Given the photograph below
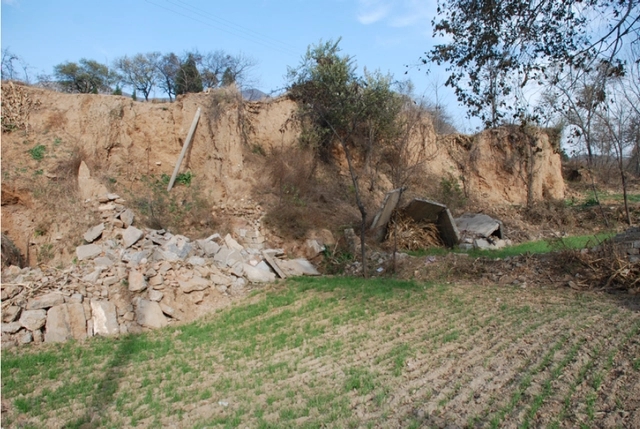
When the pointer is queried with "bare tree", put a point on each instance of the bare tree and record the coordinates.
(10, 65)
(219, 68)
(140, 71)
(168, 67)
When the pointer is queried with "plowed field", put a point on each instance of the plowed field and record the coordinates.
(350, 353)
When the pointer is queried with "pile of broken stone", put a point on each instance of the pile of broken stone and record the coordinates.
(127, 279)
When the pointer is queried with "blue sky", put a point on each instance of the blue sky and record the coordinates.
(381, 34)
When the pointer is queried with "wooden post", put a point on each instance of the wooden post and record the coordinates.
(187, 142)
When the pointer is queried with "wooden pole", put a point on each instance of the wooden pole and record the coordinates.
(187, 142)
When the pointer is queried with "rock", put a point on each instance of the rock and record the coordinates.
(102, 261)
(64, 322)
(256, 275)
(196, 261)
(222, 256)
(210, 248)
(164, 255)
(88, 251)
(25, 338)
(218, 278)
(11, 313)
(33, 319)
(178, 245)
(313, 248)
(232, 244)
(234, 257)
(137, 283)
(149, 314)
(155, 295)
(75, 298)
(11, 328)
(156, 280)
(89, 187)
(9, 291)
(110, 280)
(8, 343)
(104, 318)
(194, 284)
(136, 258)
(273, 264)
(127, 218)
(38, 338)
(93, 233)
(482, 244)
(131, 235)
(93, 276)
(171, 312)
(196, 297)
(298, 267)
(45, 301)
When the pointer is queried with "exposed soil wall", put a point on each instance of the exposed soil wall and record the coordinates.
(123, 141)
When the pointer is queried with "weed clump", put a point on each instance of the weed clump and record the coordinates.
(183, 210)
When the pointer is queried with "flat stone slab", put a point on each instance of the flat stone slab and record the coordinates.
(179, 245)
(256, 275)
(127, 218)
(45, 301)
(149, 314)
(93, 233)
(11, 328)
(479, 225)
(33, 319)
(58, 328)
(105, 320)
(210, 248)
(155, 295)
(88, 251)
(194, 284)
(431, 211)
(137, 282)
(383, 215)
(131, 236)
(102, 261)
(299, 267)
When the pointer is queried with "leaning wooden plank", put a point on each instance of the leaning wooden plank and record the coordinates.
(272, 262)
(184, 149)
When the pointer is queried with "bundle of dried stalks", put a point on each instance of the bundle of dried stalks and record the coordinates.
(608, 267)
(16, 105)
(413, 235)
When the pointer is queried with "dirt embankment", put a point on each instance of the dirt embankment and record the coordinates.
(124, 141)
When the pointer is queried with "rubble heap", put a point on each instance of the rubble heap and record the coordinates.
(126, 279)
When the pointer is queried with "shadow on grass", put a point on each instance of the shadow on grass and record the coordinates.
(125, 348)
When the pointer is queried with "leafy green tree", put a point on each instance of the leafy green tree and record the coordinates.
(188, 78)
(495, 47)
(86, 76)
(362, 115)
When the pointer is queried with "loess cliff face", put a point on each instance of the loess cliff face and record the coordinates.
(124, 141)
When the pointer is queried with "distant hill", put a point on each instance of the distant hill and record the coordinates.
(253, 94)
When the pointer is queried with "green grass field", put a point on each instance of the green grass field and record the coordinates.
(344, 352)
(531, 247)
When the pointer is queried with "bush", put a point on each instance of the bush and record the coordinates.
(183, 210)
(37, 152)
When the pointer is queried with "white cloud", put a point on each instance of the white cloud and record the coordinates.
(406, 13)
(371, 11)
